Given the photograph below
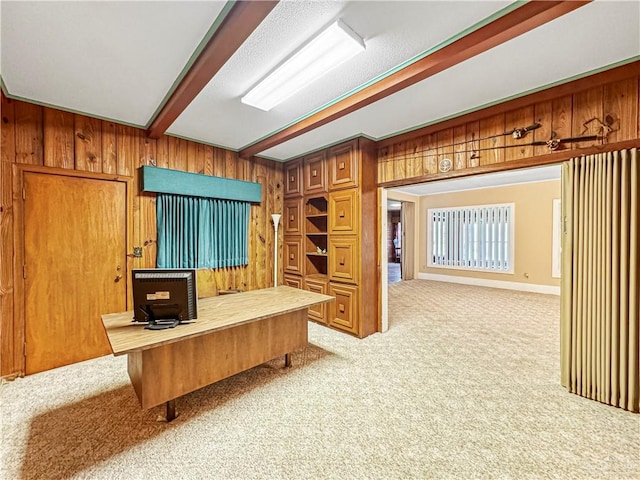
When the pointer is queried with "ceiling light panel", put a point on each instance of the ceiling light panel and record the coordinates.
(329, 49)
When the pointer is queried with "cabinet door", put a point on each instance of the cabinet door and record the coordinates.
(343, 166)
(293, 281)
(343, 259)
(293, 255)
(293, 216)
(343, 312)
(344, 212)
(315, 173)
(293, 179)
(317, 312)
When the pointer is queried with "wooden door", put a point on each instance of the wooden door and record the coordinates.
(75, 266)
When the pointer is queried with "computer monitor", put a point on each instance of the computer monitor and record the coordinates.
(163, 298)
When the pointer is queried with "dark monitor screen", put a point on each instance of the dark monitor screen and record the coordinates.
(162, 296)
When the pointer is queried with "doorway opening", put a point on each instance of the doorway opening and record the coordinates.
(535, 191)
(394, 241)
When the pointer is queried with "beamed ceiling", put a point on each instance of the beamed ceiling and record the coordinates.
(181, 67)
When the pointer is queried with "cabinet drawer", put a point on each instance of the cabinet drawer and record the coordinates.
(343, 312)
(343, 166)
(292, 216)
(317, 312)
(293, 255)
(343, 259)
(293, 281)
(293, 179)
(344, 212)
(315, 173)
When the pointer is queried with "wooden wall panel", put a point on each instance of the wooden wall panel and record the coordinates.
(517, 147)
(29, 133)
(7, 159)
(430, 159)
(445, 145)
(109, 149)
(162, 152)
(413, 157)
(208, 159)
(621, 102)
(88, 148)
(33, 134)
(460, 154)
(478, 141)
(491, 150)
(587, 110)
(147, 236)
(59, 149)
(543, 116)
(230, 164)
(399, 159)
(472, 130)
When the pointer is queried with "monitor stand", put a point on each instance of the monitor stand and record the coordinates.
(165, 321)
(162, 324)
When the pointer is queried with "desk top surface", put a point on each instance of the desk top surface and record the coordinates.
(214, 313)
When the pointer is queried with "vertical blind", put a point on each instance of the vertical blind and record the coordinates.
(600, 314)
(477, 238)
(196, 232)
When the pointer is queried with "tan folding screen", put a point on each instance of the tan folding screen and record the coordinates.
(600, 299)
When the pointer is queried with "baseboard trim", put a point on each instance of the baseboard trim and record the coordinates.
(482, 282)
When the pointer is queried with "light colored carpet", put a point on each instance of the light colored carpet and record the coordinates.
(464, 385)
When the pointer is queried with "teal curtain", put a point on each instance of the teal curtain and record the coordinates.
(196, 232)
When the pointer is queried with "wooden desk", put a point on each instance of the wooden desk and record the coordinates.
(232, 333)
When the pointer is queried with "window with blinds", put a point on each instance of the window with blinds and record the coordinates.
(471, 238)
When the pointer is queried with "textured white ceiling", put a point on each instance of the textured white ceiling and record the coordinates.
(118, 60)
(393, 32)
(109, 59)
(596, 35)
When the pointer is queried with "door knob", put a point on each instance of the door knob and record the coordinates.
(118, 278)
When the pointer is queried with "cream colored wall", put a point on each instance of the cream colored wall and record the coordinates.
(533, 229)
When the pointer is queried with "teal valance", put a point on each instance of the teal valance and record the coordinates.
(176, 182)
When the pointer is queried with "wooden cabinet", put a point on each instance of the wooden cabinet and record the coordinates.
(293, 281)
(343, 166)
(344, 310)
(330, 215)
(318, 313)
(292, 216)
(293, 255)
(315, 174)
(293, 179)
(343, 259)
(344, 214)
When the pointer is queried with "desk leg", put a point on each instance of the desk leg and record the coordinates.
(287, 360)
(171, 410)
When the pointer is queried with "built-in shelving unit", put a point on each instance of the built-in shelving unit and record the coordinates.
(328, 248)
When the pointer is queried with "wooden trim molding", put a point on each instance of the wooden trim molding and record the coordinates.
(243, 18)
(515, 23)
(555, 157)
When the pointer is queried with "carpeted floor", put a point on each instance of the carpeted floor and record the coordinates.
(464, 385)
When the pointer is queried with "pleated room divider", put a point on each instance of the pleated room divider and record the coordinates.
(600, 311)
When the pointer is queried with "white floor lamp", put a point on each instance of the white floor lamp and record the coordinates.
(276, 220)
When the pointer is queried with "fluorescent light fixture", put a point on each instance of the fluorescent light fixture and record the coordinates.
(332, 47)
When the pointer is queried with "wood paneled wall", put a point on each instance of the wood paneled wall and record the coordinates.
(31, 134)
(568, 110)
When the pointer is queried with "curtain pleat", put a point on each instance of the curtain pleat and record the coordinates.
(195, 232)
(600, 324)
